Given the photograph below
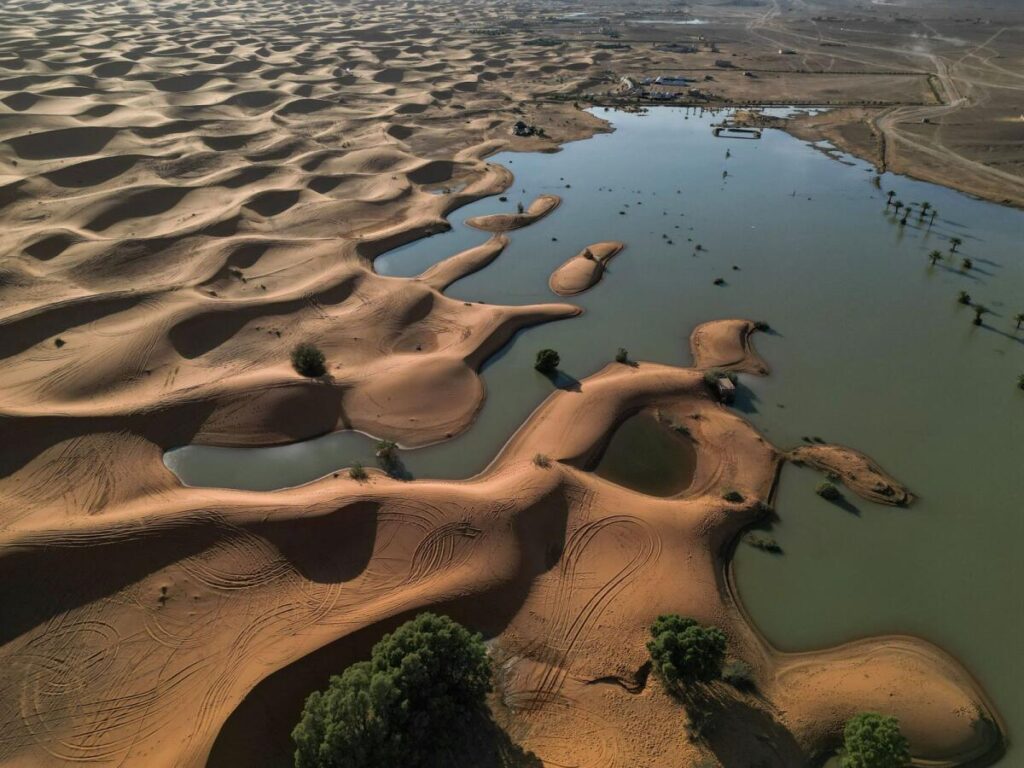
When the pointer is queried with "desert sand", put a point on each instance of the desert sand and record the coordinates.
(187, 192)
(585, 269)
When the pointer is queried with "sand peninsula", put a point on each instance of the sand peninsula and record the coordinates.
(183, 203)
(584, 270)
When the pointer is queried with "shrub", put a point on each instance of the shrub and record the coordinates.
(827, 491)
(357, 471)
(387, 455)
(406, 707)
(547, 361)
(761, 325)
(622, 356)
(764, 542)
(734, 496)
(308, 360)
(683, 651)
(874, 741)
(541, 460)
(739, 675)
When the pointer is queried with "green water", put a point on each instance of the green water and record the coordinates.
(870, 350)
(647, 455)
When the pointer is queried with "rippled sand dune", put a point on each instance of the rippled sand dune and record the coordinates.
(190, 189)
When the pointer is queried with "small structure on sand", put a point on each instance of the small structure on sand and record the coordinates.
(725, 389)
(524, 129)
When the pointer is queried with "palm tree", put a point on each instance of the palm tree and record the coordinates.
(954, 243)
(932, 216)
(966, 264)
(924, 209)
(934, 256)
(897, 205)
(979, 310)
(890, 195)
(1019, 318)
(963, 297)
(903, 221)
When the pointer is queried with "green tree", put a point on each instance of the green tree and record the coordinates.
(874, 741)
(308, 360)
(407, 707)
(828, 491)
(684, 651)
(547, 361)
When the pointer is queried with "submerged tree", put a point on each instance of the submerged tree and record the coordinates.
(1019, 317)
(963, 297)
(979, 310)
(874, 741)
(1020, 381)
(934, 256)
(547, 361)
(924, 210)
(954, 243)
(889, 196)
(409, 706)
(966, 264)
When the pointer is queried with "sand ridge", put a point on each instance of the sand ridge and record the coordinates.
(189, 190)
(585, 269)
(214, 590)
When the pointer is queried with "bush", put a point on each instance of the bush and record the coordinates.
(406, 707)
(357, 472)
(683, 651)
(308, 360)
(828, 491)
(541, 460)
(761, 325)
(387, 455)
(874, 741)
(622, 356)
(547, 361)
(764, 542)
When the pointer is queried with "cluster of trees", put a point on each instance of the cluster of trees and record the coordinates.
(421, 699)
(409, 706)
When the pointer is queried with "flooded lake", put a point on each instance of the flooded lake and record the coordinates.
(871, 349)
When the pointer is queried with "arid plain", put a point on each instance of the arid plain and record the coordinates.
(190, 189)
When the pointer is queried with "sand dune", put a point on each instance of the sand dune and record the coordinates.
(226, 587)
(584, 270)
(188, 191)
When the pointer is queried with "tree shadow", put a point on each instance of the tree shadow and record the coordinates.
(562, 380)
(746, 399)
(738, 733)
(844, 504)
(485, 744)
